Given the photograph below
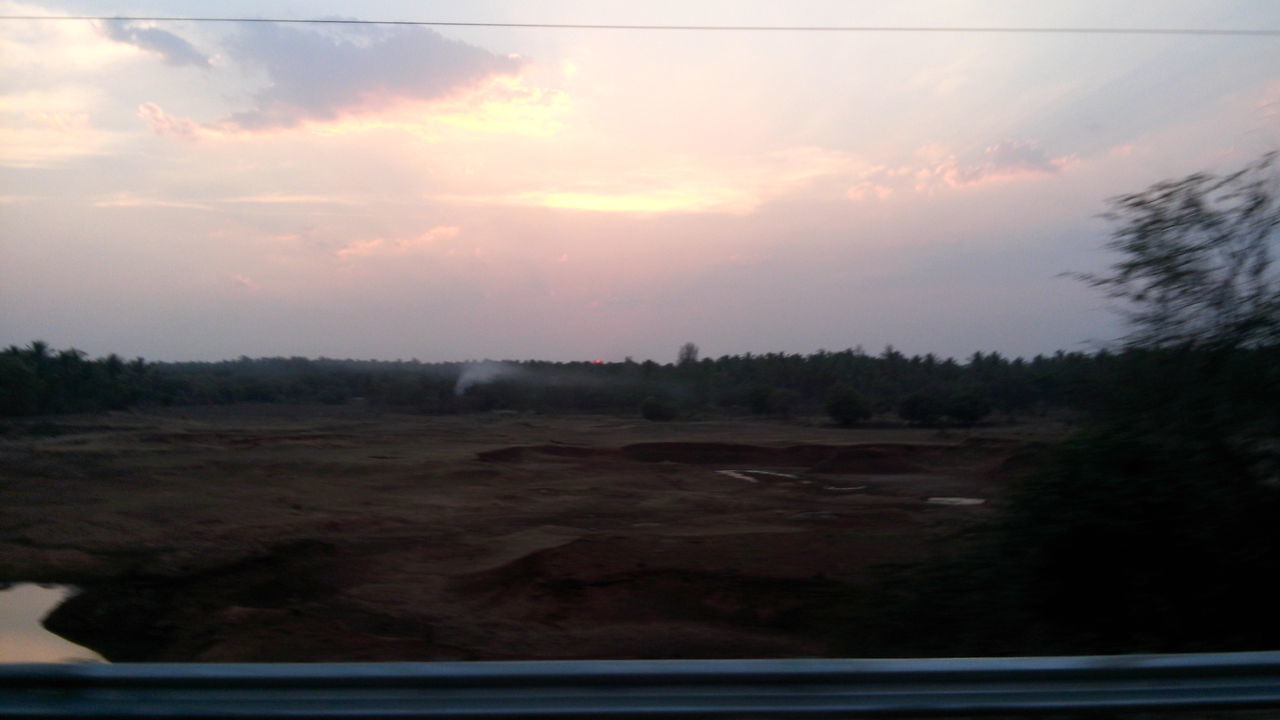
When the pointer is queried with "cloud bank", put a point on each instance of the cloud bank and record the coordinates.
(315, 76)
(175, 50)
(1005, 160)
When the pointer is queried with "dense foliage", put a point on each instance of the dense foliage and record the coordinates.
(850, 385)
(1154, 528)
(37, 380)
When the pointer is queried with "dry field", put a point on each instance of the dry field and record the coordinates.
(285, 533)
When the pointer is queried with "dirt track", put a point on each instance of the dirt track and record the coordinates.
(277, 534)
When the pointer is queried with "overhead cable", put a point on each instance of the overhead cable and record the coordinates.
(731, 28)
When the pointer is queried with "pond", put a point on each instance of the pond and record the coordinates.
(22, 637)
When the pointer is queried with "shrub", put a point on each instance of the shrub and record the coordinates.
(920, 409)
(967, 409)
(846, 406)
(657, 410)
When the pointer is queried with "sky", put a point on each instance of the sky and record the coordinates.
(199, 191)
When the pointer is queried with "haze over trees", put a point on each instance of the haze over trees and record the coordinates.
(37, 380)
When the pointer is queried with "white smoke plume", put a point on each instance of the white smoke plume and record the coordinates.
(483, 372)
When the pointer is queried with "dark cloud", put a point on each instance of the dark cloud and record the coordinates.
(172, 48)
(318, 76)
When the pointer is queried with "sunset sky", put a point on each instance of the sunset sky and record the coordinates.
(183, 190)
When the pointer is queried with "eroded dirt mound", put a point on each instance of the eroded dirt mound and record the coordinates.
(1020, 461)
(520, 453)
(283, 604)
(154, 617)
(866, 459)
(588, 598)
(878, 459)
(409, 538)
(704, 453)
(248, 440)
(729, 588)
(539, 589)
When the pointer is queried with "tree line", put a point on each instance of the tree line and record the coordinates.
(37, 380)
(850, 385)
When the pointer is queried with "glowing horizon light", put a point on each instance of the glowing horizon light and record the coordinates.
(576, 194)
(662, 201)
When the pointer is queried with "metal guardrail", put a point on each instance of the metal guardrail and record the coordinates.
(642, 688)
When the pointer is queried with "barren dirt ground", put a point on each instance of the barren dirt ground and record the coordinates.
(278, 533)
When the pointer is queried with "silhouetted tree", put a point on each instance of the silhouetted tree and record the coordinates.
(688, 354)
(19, 387)
(1195, 260)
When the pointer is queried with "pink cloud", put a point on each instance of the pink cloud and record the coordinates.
(937, 167)
(1006, 160)
(868, 189)
(499, 105)
(381, 247)
(162, 123)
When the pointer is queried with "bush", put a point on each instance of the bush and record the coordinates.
(967, 409)
(846, 406)
(1150, 530)
(657, 410)
(1131, 542)
(920, 409)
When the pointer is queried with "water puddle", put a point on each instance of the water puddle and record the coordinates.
(23, 639)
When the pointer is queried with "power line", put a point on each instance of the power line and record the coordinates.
(738, 28)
